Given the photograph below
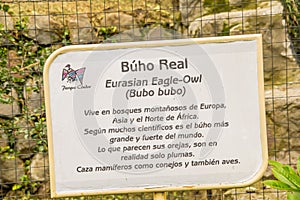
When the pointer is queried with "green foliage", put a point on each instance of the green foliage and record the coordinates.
(5, 8)
(19, 61)
(66, 37)
(292, 18)
(7, 153)
(21, 58)
(287, 179)
(225, 30)
(26, 185)
(38, 133)
(216, 6)
(106, 32)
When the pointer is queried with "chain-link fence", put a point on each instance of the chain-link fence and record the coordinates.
(31, 30)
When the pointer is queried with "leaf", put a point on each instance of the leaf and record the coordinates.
(298, 165)
(287, 176)
(275, 164)
(16, 187)
(5, 8)
(293, 196)
(41, 148)
(289, 168)
(280, 174)
(293, 176)
(292, 172)
(290, 196)
(279, 185)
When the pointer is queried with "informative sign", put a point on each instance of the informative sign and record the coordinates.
(156, 116)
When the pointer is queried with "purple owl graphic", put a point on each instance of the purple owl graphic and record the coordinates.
(73, 75)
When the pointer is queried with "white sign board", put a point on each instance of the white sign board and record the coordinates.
(156, 116)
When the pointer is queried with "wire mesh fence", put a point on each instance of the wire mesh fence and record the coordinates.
(31, 30)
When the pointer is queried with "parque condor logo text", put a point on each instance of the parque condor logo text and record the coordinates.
(74, 78)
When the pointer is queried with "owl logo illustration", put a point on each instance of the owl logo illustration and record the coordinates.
(72, 75)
